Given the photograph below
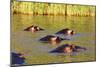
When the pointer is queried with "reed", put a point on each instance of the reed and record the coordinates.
(33, 8)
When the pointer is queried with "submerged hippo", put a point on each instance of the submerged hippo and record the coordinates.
(66, 48)
(33, 28)
(52, 39)
(66, 31)
(17, 58)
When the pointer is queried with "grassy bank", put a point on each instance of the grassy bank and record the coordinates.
(34, 8)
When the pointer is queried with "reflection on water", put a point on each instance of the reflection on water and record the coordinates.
(38, 53)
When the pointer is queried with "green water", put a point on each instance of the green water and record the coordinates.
(37, 52)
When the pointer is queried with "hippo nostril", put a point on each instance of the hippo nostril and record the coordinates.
(64, 39)
(84, 48)
(23, 58)
(41, 29)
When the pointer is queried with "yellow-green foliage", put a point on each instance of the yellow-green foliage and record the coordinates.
(52, 9)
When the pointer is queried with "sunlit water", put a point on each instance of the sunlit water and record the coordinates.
(37, 52)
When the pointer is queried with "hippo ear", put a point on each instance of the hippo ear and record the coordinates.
(72, 32)
(84, 48)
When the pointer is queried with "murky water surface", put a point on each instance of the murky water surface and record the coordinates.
(38, 53)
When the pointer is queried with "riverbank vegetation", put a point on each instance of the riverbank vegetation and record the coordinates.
(37, 8)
